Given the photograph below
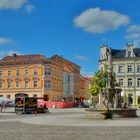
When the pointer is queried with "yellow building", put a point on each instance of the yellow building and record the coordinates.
(34, 75)
(71, 77)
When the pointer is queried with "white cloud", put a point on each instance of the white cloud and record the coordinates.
(12, 4)
(29, 8)
(137, 43)
(83, 58)
(133, 28)
(16, 4)
(133, 36)
(95, 20)
(8, 53)
(4, 41)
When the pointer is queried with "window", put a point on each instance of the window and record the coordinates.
(120, 70)
(47, 71)
(35, 84)
(1, 72)
(138, 68)
(26, 72)
(130, 99)
(9, 84)
(35, 95)
(0, 84)
(129, 81)
(17, 72)
(101, 68)
(102, 56)
(35, 71)
(68, 78)
(121, 82)
(26, 84)
(47, 84)
(9, 72)
(138, 99)
(138, 82)
(129, 69)
(17, 84)
(129, 53)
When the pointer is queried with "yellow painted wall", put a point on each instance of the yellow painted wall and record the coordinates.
(21, 77)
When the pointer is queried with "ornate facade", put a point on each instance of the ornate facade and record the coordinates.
(126, 66)
(38, 76)
(34, 75)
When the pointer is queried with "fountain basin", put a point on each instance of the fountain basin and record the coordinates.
(105, 114)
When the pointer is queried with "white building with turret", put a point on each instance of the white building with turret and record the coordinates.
(126, 66)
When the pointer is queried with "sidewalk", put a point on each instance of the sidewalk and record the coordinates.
(69, 117)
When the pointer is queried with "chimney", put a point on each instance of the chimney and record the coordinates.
(14, 55)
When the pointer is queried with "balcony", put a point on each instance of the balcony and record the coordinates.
(120, 74)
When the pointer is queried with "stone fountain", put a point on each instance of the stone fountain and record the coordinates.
(110, 98)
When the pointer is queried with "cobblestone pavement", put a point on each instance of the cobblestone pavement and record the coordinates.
(66, 124)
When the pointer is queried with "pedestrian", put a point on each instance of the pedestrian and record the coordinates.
(125, 105)
(2, 104)
(80, 105)
(35, 109)
(128, 104)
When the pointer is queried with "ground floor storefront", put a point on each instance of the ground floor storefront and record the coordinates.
(131, 97)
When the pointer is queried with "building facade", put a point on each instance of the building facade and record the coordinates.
(84, 87)
(126, 66)
(68, 84)
(38, 76)
(34, 75)
(71, 78)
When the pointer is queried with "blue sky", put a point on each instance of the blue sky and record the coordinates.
(75, 29)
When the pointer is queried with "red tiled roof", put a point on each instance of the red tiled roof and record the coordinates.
(64, 59)
(22, 57)
(66, 69)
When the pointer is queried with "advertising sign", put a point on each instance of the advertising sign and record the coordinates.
(30, 104)
(19, 105)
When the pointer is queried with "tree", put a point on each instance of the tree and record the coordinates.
(104, 83)
(99, 82)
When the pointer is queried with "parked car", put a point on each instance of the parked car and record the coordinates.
(87, 103)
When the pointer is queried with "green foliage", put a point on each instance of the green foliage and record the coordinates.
(102, 79)
(99, 81)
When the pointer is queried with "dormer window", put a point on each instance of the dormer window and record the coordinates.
(130, 50)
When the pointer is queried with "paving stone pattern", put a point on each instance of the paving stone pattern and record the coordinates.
(40, 127)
